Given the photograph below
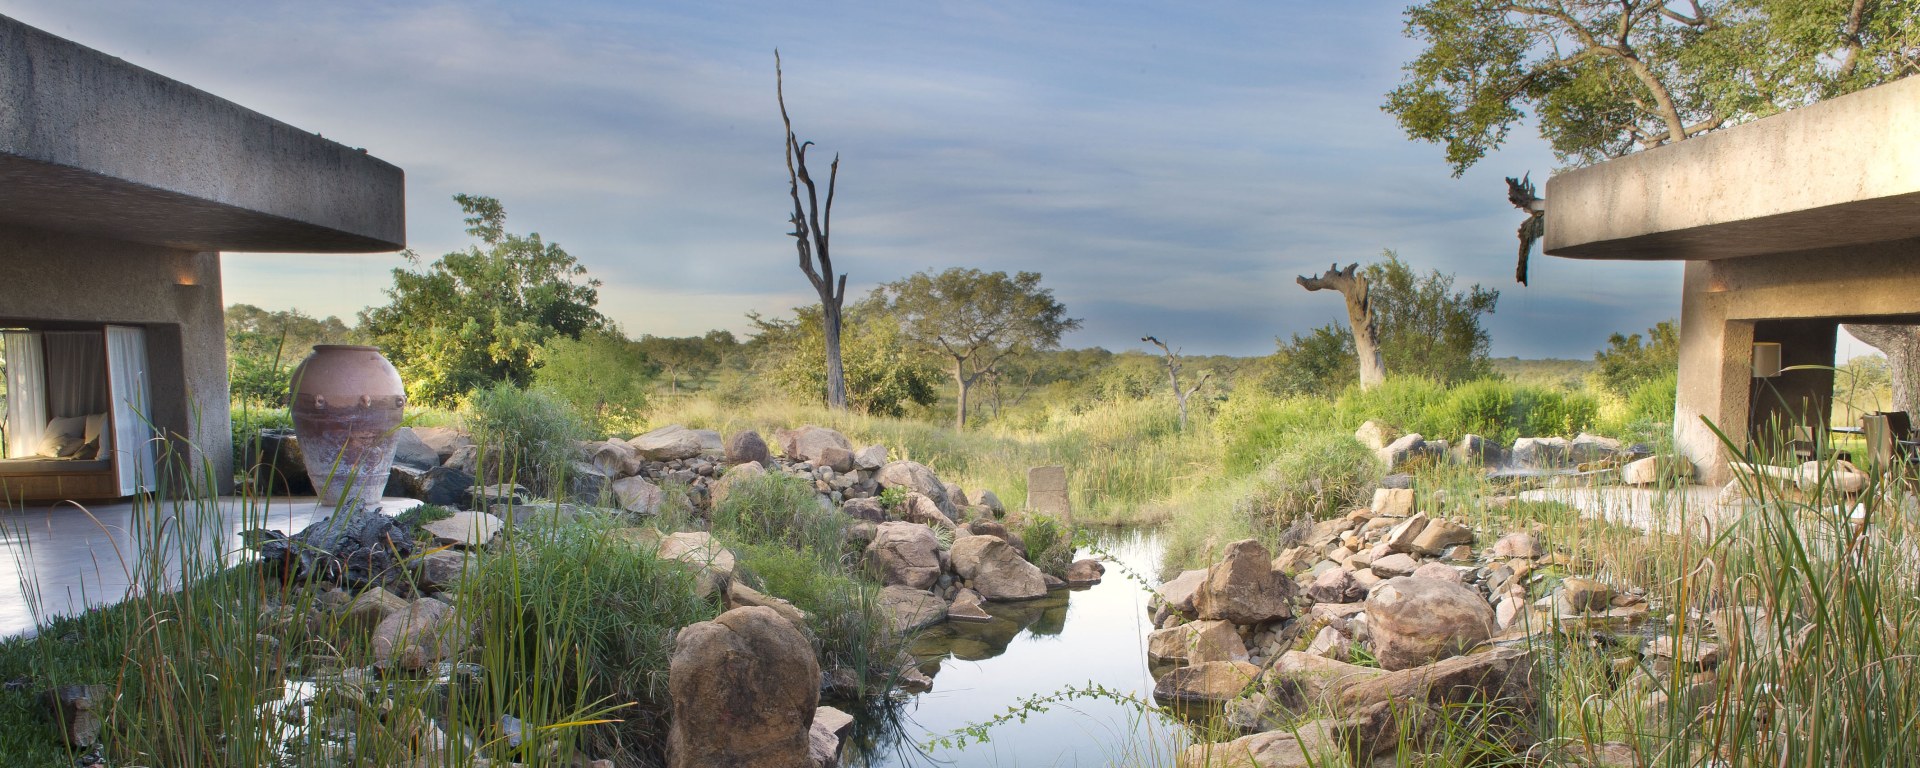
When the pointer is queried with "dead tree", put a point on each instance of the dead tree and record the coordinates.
(1366, 335)
(812, 225)
(1173, 377)
(1520, 194)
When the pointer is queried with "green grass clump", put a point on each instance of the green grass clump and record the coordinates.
(533, 432)
(1049, 543)
(1312, 474)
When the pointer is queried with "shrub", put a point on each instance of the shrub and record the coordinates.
(1502, 411)
(777, 509)
(602, 374)
(533, 431)
(1315, 475)
(1049, 543)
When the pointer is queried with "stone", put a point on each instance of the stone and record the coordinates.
(1412, 622)
(1402, 451)
(1440, 571)
(425, 632)
(712, 563)
(823, 747)
(464, 529)
(991, 501)
(76, 711)
(742, 596)
(967, 607)
(1213, 682)
(1540, 452)
(669, 443)
(908, 609)
(1330, 643)
(1586, 448)
(1315, 744)
(1179, 592)
(1375, 435)
(1243, 587)
(1085, 571)
(638, 495)
(444, 441)
(1392, 502)
(747, 446)
(1401, 537)
(905, 554)
(1296, 560)
(1336, 585)
(868, 509)
(1475, 451)
(744, 689)
(870, 458)
(1441, 535)
(1197, 643)
(1518, 544)
(367, 609)
(990, 527)
(614, 458)
(1301, 682)
(411, 451)
(915, 477)
(1394, 565)
(919, 508)
(447, 569)
(405, 482)
(1048, 494)
(718, 492)
(587, 484)
(836, 458)
(1578, 595)
(1655, 470)
(445, 487)
(809, 443)
(1503, 675)
(992, 567)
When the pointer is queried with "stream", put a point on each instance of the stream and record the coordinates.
(1068, 639)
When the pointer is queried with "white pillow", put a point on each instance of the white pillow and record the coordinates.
(96, 424)
(68, 425)
(58, 446)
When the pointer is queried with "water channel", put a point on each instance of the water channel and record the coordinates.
(1066, 640)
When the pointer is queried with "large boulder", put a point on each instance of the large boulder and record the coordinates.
(637, 495)
(747, 446)
(740, 473)
(426, 632)
(670, 442)
(809, 443)
(907, 609)
(996, 571)
(1213, 682)
(1180, 591)
(443, 440)
(410, 451)
(905, 554)
(1587, 448)
(1197, 642)
(918, 508)
(1375, 435)
(445, 486)
(467, 530)
(1413, 622)
(744, 689)
(711, 563)
(1502, 676)
(1244, 588)
(916, 477)
(614, 458)
(274, 461)
(1540, 452)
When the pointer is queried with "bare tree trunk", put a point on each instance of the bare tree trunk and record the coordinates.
(960, 415)
(1366, 335)
(836, 374)
(1901, 343)
(812, 225)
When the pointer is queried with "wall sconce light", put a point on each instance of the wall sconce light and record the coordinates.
(1766, 359)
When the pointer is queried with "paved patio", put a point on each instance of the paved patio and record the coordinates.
(69, 557)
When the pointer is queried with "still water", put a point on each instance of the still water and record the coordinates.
(1068, 639)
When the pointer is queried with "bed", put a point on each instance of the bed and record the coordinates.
(36, 479)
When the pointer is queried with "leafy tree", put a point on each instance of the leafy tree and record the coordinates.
(476, 317)
(1319, 362)
(1605, 78)
(263, 346)
(604, 375)
(975, 319)
(1627, 363)
(882, 376)
(1426, 327)
(687, 356)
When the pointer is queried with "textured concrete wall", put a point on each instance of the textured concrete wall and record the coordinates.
(92, 144)
(49, 277)
(1841, 172)
(1726, 305)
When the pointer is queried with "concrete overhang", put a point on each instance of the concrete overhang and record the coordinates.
(1842, 172)
(94, 145)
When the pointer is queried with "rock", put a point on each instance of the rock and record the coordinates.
(747, 446)
(823, 748)
(737, 474)
(425, 632)
(808, 442)
(356, 547)
(372, 606)
(1330, 643)
(1578, 595)
(587, 484)
(1315, 744)
(1085, 571)
(1213, 682)
(669, 443)
(1197, 643)
(996, 571)
(1243, 587)
(908, 609)
(1048, 493)
(868, 509)
(744, 689)
(76, 711)
(1336, 585)
(467, 530)
(444, 441)
(1540, 452)
(1402, 451)
(967, 607)
(987, 499)
(905, 554)
(1502, 675)
(711, 563)
(916, 477)
(445, 487)
(1180, 591)
(405, 482)
(1394, 565)
(1474, 451)
(990, 527)
(837, 458)
(1400, 538)
(742, 596)
(1303, 682)
(1412, 622)
(1440, 571)
(1518, 544)
(1655, 470)
(614, 458)
(273, 459)
(1587, 448)
(410, 451)
(919, 508)
(1296, 560)
(1375, 435)
(1392, 502)
(870, 458)
(1441, 535)
(446, 569)
(637, 495)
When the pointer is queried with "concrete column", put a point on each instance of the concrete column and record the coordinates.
(1716, 359)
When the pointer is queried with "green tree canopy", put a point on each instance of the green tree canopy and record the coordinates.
(1627, 362)
(975, 319)
(1426, 329)
(883, 376)
(476, 317)
(689, 357)
(1605, 78)
(603, 374)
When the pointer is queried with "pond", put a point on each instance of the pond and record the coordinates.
(1068, 639)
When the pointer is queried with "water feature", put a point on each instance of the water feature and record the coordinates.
(1066, 640)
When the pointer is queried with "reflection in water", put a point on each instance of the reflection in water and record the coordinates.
(1066, 639)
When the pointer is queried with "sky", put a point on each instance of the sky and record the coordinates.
(1169, 168)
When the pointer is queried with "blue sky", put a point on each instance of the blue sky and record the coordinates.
(1169, 167)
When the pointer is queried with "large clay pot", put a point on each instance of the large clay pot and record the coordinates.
(347, 404)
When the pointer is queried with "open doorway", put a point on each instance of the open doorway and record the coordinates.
(78, 414)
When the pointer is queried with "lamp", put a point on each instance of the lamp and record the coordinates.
(1766, 359)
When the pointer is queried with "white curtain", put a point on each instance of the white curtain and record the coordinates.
(76, 366)
(26, 393)
(132, 408)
